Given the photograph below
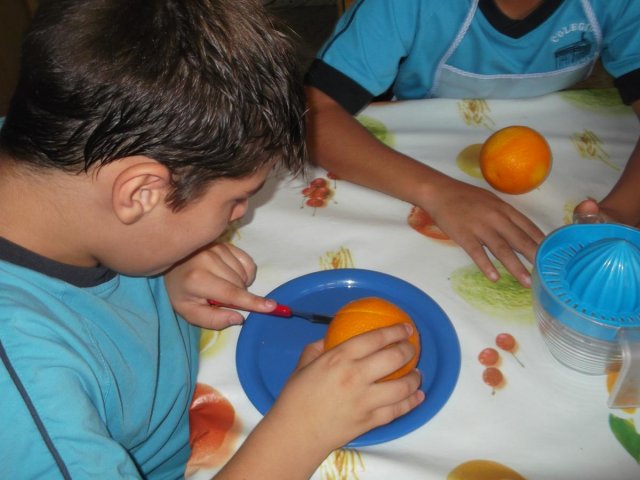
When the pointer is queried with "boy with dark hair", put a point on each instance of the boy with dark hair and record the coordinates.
(138, 130)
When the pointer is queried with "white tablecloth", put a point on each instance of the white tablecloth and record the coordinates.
(545, 422)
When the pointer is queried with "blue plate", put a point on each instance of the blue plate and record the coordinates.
(268, 347)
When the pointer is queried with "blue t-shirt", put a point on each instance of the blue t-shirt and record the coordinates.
(96, 374)
(469, 48)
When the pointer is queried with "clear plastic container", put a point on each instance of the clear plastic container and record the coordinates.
(580, 352)
(586, 293)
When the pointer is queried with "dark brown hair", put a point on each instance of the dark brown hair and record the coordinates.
(208, 88)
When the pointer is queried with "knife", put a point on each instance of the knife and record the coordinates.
(283, 311)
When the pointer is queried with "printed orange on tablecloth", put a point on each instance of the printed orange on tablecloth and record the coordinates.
(212, 429)
(422, 222)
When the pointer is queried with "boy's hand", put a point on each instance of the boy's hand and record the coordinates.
(591, 211)
(476, 219)
(588, 211)
(221, 272)
(333, 397)
(473, 217)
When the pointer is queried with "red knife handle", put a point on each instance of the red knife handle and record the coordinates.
(279, 311)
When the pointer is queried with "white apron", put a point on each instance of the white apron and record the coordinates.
(452, 82)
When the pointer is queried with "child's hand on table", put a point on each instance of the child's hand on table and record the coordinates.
(480, 222)
(475, 218)
(221, 272)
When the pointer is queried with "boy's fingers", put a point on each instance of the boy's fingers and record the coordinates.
(310, 353)
(589, 211)
(479, 256)
(240, 299)
(219, 317)
(393, 391)
(236, 260)
(248, 265)
(387, 360)
(388, 413)
(530, 235)
(505, 254)
(367, 343)
(212, 319)
(206, 286)
(222, 285)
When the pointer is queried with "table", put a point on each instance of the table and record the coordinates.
(545, 421)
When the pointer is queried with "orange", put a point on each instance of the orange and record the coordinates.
(515, 159)
(365, 314)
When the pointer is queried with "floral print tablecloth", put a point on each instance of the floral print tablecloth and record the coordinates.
(541, 420)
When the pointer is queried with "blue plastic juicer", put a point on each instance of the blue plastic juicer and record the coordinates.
(586, 295)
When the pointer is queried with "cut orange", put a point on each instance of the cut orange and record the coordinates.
(515, 159)
(370, 313)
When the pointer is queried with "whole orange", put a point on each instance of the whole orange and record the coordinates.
(369, 313)
(515, 159)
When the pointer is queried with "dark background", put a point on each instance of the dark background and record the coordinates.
(309, 21)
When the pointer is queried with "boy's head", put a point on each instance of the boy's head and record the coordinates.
(207, 88)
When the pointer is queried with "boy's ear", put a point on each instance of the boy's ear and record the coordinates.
(138, 189)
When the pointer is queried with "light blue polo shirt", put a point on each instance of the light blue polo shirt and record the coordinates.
(96, 374)
(420, 47)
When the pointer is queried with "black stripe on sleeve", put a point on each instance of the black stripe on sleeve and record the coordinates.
(338, 86)
(34, 414)
(629, 86)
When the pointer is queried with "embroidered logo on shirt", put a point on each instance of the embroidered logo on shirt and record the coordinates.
(575, 52)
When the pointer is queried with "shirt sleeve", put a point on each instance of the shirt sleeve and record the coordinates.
(629, 86)
(361, 58)
(621, 48)
(51, 422)
(338, 86)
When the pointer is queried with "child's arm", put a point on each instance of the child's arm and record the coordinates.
(622, 204)
(221, 268)
(329, 400)
(471, 216)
